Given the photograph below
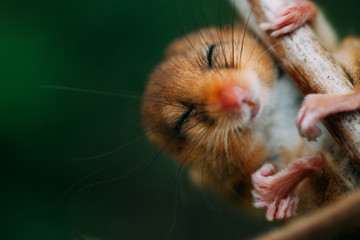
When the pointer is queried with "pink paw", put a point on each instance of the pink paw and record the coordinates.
(317, 106)
(314, 108)
(276, 191)
(278, 205)
(293, 15)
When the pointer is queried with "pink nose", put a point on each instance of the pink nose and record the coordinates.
(231, 97)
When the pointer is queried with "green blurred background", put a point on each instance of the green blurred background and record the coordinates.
(48, 136)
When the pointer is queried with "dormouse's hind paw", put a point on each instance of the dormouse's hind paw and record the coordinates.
(275, 192)
(290, 17)
(275, 208)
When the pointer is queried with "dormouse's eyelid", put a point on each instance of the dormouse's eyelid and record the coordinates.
(184, 117)
(209, 55)
(187, 104)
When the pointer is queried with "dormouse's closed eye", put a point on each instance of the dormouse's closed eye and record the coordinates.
(209, 55)
(220, 55)
(184, 117)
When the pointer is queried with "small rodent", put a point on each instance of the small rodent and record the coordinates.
(191, 106)
(215, 104)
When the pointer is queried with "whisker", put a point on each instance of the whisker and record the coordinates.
(219, 32)
(222, 46)
(172, 226)
(107, 164)
(182, 31)
(206, 196)
(117, 94)
(202, 13)
(90, 91)
(253, 49)
(131, 171)
(67, 190)
(126, 174)
(136, 167)
(195, 22)
(267, 50)
(191, 44)
(243, 38)
(232, 33)
(225, 135)
(240, 177)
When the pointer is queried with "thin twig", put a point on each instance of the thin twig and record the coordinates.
(323, 224)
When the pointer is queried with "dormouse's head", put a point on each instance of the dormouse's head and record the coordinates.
(204, 99)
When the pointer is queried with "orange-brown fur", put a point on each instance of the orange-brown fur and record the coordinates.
(348, 55)
(184, 78)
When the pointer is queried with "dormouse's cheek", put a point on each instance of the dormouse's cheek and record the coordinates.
(171, 114)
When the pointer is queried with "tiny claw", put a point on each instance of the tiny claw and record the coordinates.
(309, 114)
(283, 30)
(270, 212)
(266, 26)
(289, 18)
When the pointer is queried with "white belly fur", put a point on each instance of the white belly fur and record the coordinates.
(281, 131)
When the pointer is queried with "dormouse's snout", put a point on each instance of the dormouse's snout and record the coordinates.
(233, 95)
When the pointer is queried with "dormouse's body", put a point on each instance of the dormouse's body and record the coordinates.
(215, 104)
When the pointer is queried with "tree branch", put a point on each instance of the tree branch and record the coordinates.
(311, 67)
(313, 70)
(326, 222)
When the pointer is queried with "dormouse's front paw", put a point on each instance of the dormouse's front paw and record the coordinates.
(290, 17)
(314, 108)
(317, 106)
